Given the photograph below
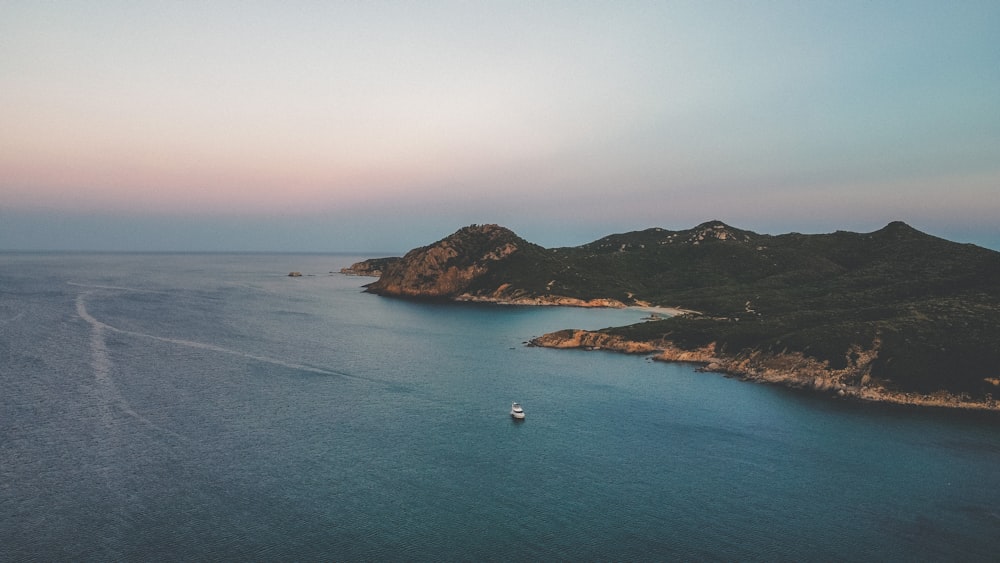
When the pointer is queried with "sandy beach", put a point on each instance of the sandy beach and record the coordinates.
(663, 311)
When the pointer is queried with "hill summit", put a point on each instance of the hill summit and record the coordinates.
(451, 266)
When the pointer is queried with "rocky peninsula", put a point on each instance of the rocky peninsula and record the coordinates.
(789, 369)
(895, 315)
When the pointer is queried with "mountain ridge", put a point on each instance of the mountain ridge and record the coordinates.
(921, 310)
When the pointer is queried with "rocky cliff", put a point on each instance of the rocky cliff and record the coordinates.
(449, 267)
(478, 263)
(788, 369)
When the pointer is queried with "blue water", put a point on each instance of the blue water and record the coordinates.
(207, 407)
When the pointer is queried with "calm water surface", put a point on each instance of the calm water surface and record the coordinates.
(207, 407)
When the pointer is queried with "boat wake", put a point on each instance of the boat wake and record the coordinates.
(100, 361)
(15, 318)
(113, 287)
(100, 326)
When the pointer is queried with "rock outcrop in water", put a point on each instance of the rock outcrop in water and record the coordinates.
(894, 313)
(373, 267)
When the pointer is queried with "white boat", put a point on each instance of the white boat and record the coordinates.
(516, 411)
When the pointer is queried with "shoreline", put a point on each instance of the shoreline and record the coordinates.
(791, 370)
(665, 311)
(498, 298)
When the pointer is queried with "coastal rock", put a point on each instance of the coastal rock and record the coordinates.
(501, 297)
(372, 267)
(594, 341)
(788, 369)
(450, 267)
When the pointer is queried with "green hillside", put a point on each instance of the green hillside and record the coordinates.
(930, 306)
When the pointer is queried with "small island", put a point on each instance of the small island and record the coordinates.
(894, 315)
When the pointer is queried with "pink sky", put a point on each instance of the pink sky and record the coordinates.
(559, 118)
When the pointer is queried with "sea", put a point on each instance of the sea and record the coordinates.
(208, 407)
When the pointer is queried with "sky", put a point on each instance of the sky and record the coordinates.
(382, 126)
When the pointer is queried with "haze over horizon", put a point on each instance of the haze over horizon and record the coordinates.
(383, 126)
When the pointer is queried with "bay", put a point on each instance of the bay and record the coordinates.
(208, 406)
